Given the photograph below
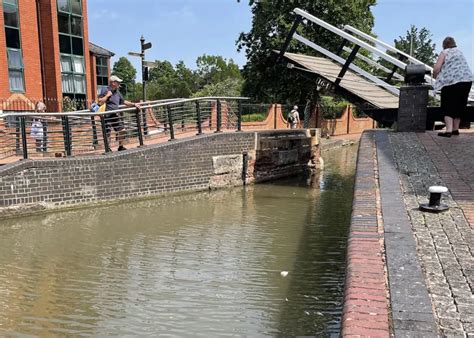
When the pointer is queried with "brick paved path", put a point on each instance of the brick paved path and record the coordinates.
(445, 241)
(454, 159)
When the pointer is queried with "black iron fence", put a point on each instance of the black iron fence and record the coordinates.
(27, 134)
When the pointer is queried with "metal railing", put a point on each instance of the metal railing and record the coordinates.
(32, 135)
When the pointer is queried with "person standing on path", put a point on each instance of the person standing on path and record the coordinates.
(113, 99)
(454, 79)
(37, 128)
(293, 118)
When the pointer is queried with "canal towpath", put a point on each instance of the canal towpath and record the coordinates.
(411, 273)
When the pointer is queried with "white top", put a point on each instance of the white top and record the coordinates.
(295, 115)
(437, 189)
(37, 130)
(455, 69)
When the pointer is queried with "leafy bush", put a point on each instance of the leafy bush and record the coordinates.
(357, 113)
(332, 109)
(255, 117)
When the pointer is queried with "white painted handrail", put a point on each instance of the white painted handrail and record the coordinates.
(353, 67)
(350, 38)
(385, 45)
(356, 41)
(396, 50)
(374, 63)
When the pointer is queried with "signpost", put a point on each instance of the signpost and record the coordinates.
(144, 46)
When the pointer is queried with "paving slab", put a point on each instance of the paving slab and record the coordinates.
(444, 241)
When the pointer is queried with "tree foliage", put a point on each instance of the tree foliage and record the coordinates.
(227, 87)
(423, 47)
(272, 20)
(213, 69)
(124, 69)
(167, 82)
(214, 75)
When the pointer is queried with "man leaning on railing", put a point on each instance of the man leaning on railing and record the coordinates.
(112, 98)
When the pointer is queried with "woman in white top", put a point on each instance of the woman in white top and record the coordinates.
(454, 79)
(37, 128)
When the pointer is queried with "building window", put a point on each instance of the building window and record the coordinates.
(71, 47)
(13, 40)
(102, 73)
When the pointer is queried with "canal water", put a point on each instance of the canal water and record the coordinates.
(203, 264)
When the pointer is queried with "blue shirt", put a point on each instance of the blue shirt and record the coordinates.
(114, 101)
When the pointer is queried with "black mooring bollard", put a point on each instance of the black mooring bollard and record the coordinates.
(435, 200)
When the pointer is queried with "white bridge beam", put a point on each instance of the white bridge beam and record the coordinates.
(352, 67)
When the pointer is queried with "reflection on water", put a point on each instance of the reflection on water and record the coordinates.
(205, 264)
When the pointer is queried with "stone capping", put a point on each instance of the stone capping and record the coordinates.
(410, 304)
(366, 306)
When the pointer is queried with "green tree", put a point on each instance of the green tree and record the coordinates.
(124, 69)
(227, 87)
(187, 76)
(423, 47)
(167, 82)
(272, 20)
(212, 69)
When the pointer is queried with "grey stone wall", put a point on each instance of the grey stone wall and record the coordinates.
(197, 163)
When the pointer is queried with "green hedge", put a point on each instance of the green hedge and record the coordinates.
(255, 117)
(332, 109)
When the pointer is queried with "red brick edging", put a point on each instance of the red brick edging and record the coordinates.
(366, 305)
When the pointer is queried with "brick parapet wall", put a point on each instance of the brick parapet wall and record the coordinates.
(182, 165)
(346, 124)
(366, 304)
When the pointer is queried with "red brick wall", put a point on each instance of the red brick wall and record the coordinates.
(93, 76)
(50, 44)
(50, 47)
(4, 85)
(89, 78)
(31, 49)
(346, 124)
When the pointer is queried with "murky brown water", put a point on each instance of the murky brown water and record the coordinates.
(205, 264)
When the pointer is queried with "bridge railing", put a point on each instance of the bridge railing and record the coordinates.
(32, 135)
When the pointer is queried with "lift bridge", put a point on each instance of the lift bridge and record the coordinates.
(375, 95)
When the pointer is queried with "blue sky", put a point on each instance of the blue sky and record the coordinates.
(186, 29)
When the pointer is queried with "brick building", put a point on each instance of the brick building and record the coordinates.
(45, 53)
